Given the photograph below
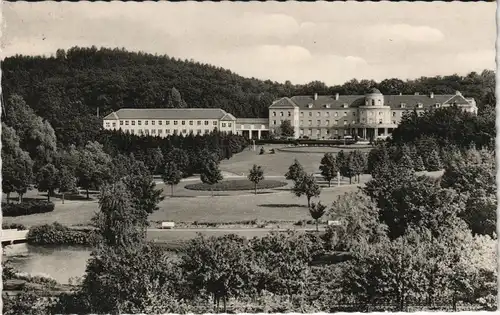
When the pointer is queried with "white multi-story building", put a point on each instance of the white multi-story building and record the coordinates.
(163, 122)
(369, 115)
(317, 117)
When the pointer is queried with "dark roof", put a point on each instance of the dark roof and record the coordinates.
(394, 101)
(250, 121)
(284, 102)
(170, 113)
(374, 91)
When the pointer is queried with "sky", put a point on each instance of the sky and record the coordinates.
(299, 42)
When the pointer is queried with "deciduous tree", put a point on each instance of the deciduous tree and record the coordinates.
(317, 210)
(307, 186)
(220, 266)
(66, 182)
(328, 167)
(255, 175)
(47, 179)
(286, 128)
(171, 175)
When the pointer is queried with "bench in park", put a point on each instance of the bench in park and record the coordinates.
(167, 225)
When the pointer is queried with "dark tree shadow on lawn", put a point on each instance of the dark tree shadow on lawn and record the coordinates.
(26, 199)
(281, 205)
(282, 189)
(77, 197)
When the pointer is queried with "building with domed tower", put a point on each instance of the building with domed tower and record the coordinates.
(314, 116)
(367, 116)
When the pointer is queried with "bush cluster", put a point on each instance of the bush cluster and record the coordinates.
(58, 234)
(26, 208)
(13, 226)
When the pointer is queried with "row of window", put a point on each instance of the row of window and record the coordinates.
(336, 114)
(318, 132)
(160, 122)
(336, 122)
(167, 131)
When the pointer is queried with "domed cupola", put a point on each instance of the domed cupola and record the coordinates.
(374, 98)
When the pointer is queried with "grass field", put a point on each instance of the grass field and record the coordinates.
(279, 206)
(274, 164)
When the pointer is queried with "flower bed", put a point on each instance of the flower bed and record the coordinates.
(237, 184)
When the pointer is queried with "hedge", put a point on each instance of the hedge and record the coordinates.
(310, 142)
(58, 234)
(26, 208)
(13, 226)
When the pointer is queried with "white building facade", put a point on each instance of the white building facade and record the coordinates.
(314, 117)
(367, 116)
(163, 122)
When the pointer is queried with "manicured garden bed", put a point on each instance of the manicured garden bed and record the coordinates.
(237, 184)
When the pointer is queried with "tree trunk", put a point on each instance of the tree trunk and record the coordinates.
(8, 197)
(330, 183)
(171, 190)
(212, 190)
(88, 197)
(215, 302)
(62, 197)
(48, 195)
(308, 202)
(350, 180)
(224, 301)
(255, 188)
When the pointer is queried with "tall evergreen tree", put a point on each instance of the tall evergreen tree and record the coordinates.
(295, 171)
(211, 173)
(433, 162)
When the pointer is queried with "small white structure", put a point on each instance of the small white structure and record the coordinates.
(167, 225)
(334, 223)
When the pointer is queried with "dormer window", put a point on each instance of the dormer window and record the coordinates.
(403, 105)
(310, 105)
(420, 105)
(438, 105)
(345, 105)
(327, 105)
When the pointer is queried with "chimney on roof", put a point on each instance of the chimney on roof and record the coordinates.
(315, 96)
(431, 95)
(336, 96)
(458, 93)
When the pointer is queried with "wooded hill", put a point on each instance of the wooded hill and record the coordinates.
(68, 88)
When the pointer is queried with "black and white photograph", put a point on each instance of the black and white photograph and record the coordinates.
(258, 157)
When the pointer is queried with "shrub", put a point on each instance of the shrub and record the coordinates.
(57, 234)
(26, 208)
(13, 226)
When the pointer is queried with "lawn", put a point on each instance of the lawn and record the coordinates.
(237, 184)
(274, 164)
(278, 206)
